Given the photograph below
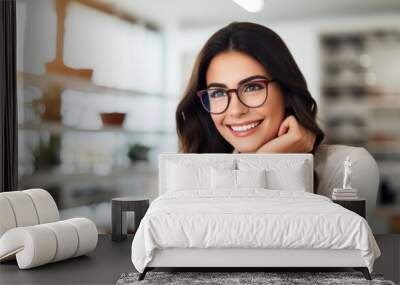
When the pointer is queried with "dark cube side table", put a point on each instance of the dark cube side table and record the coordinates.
(355, 205)
(119, 207)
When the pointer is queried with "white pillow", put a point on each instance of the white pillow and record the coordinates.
(294, 178)
(191, 174)
(281, 174)
(251, 178)
(228, 179)
(223, 179)
(182, 178)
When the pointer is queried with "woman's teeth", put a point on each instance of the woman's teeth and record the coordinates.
(245, 127)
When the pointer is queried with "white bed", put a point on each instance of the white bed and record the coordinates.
(248, 227)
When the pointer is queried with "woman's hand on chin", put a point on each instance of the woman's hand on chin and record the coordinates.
(292, 138)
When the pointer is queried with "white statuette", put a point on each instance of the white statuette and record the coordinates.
(347, 192)
(347, 173)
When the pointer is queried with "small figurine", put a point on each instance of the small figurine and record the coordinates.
(346, 192)
(347, 173)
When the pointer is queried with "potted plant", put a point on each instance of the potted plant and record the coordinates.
(138, 152)
(47, 154)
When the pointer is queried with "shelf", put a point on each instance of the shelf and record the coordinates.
(58, 128)
(387, 168)
(384, 146)
(345, 102)
(328, 83)
(388, 211)
(79, 84)
(391, 102)
(52, 177)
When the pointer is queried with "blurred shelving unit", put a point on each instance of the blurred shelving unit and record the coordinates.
(59, 176)
(88, 165)
(80, 84)
(58, 128)
(65, 143)
(360, 103)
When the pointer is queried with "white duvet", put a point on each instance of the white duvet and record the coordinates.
(250, 218)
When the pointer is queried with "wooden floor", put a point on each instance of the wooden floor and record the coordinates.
(111, 259)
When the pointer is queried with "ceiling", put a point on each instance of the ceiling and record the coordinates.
(189, 13)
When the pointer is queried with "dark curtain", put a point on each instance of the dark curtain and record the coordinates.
(8, 98)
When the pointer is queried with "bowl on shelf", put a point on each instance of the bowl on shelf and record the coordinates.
(113, 119)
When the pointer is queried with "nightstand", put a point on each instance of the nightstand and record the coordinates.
(355, 205)
(119, 207)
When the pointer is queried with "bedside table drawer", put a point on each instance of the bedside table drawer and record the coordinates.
(357, 206)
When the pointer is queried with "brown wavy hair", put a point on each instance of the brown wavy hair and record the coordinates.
(196, 130)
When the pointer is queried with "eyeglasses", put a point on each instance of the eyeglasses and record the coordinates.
(252, 94)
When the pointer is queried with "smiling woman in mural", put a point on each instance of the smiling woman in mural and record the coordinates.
(246, 94)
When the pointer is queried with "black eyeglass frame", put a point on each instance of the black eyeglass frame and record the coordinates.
(236, 90)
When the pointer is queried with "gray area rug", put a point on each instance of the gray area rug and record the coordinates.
(228, 278)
